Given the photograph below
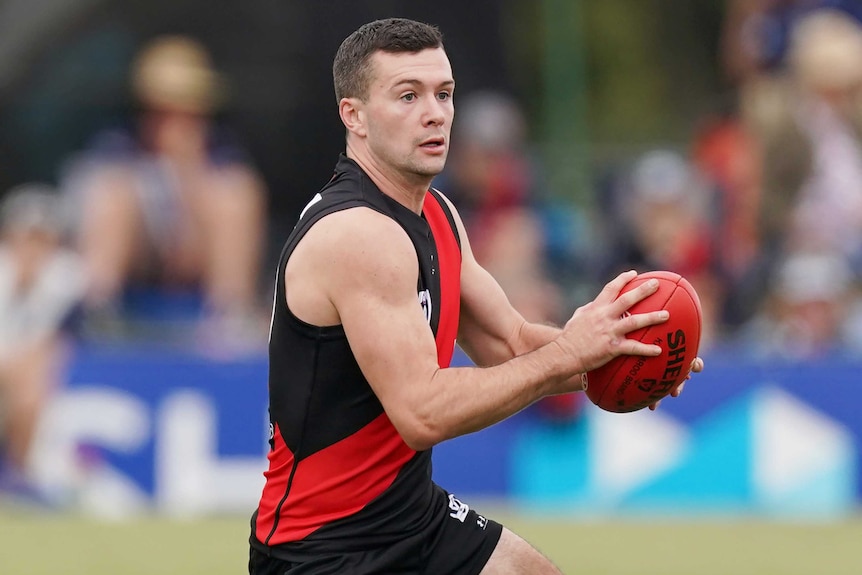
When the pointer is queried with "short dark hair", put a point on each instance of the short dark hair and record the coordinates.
(351, 70)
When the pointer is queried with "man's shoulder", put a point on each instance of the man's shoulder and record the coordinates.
(357, 247)
(358, 224)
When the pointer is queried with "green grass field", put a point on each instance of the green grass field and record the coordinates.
(52, 545)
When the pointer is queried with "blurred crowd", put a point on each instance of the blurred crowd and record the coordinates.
(153, 234)
(761, 210)
(155, 231)
(169, 202)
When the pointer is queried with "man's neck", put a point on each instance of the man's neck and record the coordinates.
(409, 192)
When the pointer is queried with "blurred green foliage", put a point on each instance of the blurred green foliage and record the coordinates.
(651, 68)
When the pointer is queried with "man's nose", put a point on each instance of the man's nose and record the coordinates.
(435, 113)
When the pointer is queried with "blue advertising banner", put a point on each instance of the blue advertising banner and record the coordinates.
(746, 436)
(184, 434)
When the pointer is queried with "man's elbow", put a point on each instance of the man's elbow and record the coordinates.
(420, 436)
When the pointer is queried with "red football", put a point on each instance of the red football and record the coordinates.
(632, 382)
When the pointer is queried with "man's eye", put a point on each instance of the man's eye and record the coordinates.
(444, 96)
(408, 97)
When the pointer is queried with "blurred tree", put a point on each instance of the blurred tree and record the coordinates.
(652, 68)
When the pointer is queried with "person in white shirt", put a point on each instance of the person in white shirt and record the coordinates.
(41, 284)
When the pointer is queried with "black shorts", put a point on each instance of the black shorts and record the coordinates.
(457, 541)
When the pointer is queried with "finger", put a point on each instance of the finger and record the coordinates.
(697, 365)
(641, 320)
(675, 392)
(613, 288)
(630, 298)
(627, 346)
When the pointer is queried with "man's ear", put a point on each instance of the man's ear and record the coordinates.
(352, 115)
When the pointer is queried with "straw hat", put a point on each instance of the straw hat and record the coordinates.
(826, 50)
(176, 73)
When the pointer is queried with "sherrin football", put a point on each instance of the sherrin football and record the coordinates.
(632, 382)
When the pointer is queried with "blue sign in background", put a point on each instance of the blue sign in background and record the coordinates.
(236, 387)
(723, 410)
(532, 458)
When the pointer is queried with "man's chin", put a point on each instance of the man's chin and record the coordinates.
(429, 169)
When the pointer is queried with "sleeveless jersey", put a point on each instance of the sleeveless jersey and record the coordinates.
(340, 477)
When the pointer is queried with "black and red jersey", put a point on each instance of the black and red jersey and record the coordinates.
(340, 476)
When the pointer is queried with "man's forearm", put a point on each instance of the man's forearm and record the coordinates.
(532, 336)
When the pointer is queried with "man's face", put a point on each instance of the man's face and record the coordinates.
(409, 111)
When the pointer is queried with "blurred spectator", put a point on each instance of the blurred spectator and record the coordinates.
(661, 220)
(41, 284)
(756, 33)
(725, 152)
(760, 155)
(812, 311)
(806, 118)
(666, 210)
(807, 126)
(171, 204)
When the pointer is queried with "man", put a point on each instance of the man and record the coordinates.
(373, 286)
(172, 203)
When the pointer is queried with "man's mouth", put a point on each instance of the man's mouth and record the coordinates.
(433, 143)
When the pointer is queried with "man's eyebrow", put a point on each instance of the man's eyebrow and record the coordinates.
(415, 82)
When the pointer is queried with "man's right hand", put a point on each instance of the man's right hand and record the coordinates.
(596, 332)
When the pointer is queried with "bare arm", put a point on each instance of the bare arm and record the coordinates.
(358, 267)
(491, 330)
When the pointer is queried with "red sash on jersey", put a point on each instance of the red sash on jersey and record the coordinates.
(449, 255)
